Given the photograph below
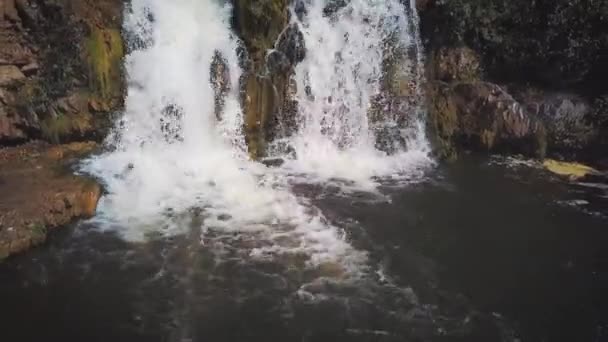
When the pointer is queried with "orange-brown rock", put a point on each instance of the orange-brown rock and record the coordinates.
(39, 192)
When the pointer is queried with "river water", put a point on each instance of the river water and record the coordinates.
(476, 251)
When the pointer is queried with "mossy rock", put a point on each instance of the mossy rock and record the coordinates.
(105, 51)
(569, 169)
(443, 121)
(260, 22)
(64, 127)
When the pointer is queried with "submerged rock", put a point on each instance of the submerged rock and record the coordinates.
(569, 169)
(41, 193)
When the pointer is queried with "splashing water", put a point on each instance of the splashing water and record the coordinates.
(338, 83)
(169, 154)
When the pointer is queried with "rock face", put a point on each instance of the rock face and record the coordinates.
(44, 193)
(60, 69)
(272, 48)
(483, 116)
(548, 54)
(553, 43)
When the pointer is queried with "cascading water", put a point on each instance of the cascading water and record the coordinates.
(170, 155)
(339, 84)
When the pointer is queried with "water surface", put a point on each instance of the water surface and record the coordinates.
(476, 252)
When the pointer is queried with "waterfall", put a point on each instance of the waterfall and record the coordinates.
(342, 80)
(172, 157)
(172, 162)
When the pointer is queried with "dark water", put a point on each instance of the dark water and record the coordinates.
(477, 252)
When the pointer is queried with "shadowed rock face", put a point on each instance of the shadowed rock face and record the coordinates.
(554, 43)
(60, 78)
(548, 54)
(483, 116)
(60, 69)
(44, 193)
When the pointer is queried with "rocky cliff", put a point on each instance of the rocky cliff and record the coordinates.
(545, 59)
(60, 69)
(60, 80)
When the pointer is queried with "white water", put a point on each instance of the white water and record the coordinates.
(337, 82)
(169, 154)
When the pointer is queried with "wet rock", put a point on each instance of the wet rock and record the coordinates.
(44, 194)
(483, 116)
(334, 6)
(567, 117)
(300, 9)
(277, 62)
(291, 44)
(273, 162)
(265, 84)
(220, 81)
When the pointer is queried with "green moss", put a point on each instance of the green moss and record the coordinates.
(105, 52)
(62, 127)
(54, 129)
(260, 22)
(32, 97)
(38, 232)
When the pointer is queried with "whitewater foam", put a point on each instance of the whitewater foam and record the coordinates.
(169, 153)
(337, 84)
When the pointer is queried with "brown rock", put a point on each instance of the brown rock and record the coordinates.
(15, 50)
(39, 193)
(483, 116)
(9, 11)
(5, 96)
(10, 75)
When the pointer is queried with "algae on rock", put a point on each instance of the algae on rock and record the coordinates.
(105, 53)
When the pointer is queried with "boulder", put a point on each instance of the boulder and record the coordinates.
(270, 50)
(567, 117)
(482, 116)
